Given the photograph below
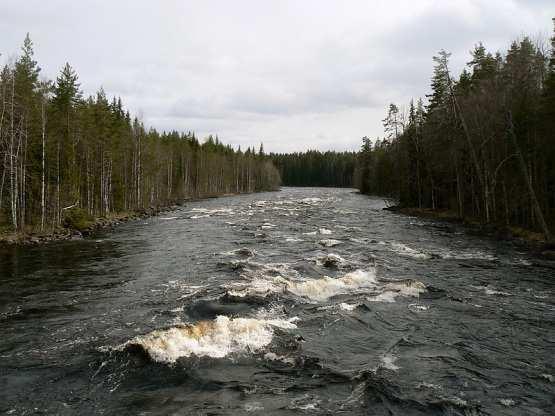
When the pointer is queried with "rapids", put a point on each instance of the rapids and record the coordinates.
(304, 301)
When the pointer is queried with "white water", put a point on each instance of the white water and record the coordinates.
(327, 287)
(329, 243)
(349, 306)
(405, 288)
(405, 250)
(216, 339)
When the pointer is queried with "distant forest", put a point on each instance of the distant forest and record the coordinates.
(65, 155)
(314, 168)
(482, 147)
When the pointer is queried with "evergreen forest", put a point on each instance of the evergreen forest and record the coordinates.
(481, 147)
(63, 155)
(315, 168)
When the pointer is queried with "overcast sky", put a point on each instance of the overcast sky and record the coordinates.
(294, 74)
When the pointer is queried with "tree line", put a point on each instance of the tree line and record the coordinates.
(483, 146)
(60, 152)
(314, 168)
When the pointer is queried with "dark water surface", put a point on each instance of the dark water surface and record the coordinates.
(304, 301)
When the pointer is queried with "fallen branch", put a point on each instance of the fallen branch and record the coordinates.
(71, 206)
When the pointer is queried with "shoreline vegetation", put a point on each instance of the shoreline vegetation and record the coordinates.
(69, 162)
(87, 227)
(529, 239)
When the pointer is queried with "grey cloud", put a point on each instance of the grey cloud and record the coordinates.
(316, 73)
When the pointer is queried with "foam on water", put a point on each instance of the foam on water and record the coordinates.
(490, 291)
(466, 255)
(260, 286)
(548, 377)
(405, 288)
(327, 287)
(388, 297)
(321, 289)
(428, 386)
(271, 356)
(216, 339)
(310, 201)
(254, 269)
(270, 279)
(329, 243)
(456, 401)
(348, 306)
(253, 407)
(293, 240)
(213, 211)
(206, 212)
(388, 361)
(196, 217)
(305, 403)
(497, 292)
(418, 307)
(405, 250)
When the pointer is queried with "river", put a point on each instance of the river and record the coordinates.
(303, 301)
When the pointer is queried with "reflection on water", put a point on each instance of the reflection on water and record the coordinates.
(302, 301)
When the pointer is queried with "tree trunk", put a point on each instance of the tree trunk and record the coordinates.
(13, 173)
(43, 176)
(527, 179)
(58, 205)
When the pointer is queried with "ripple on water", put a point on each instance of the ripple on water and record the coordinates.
(212, 293)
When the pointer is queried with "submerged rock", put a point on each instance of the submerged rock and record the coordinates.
(245, 252)
(216, 338)
(332, 260)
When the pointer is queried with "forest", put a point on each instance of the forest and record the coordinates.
(483, 147)
(315, 168)
(64, 156)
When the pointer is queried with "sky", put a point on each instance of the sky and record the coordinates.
(293, 74)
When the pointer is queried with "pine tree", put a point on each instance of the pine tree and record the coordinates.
(26, 71)
(24, 132)
(393, 123)
(440, 83)
(548, 99)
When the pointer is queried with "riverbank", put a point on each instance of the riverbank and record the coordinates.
(34, 237)
(530, 239)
